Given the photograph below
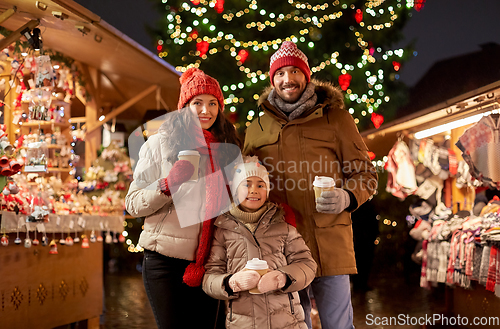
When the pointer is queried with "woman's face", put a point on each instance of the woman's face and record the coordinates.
(206, 107)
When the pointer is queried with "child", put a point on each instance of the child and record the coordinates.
(255, 228)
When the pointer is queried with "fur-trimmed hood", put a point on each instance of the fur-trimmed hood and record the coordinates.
(327, 93)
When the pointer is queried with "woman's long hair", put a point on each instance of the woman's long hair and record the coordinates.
(180, 125)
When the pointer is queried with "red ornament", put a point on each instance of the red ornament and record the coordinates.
(243, 54)
(202, 47)
(358, 16)
(219, 6)
(419, 5)
(193, 35)
(371, 155)
(195, 2)
(377, 119)
(396, 65)
(233, 117)
(345, 81)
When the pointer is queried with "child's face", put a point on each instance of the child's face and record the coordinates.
(252, 194)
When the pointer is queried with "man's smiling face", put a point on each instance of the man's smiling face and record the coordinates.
(290, 82)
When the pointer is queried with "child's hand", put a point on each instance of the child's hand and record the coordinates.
(271, 281)
(244, 280)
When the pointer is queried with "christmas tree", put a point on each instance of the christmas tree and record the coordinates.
(347, 42)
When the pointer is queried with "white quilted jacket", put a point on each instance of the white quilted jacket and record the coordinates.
(168, 230)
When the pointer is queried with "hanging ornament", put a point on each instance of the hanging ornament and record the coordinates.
(202, 47)
(419, 5)
(195, 2)
(242, 55)
(69, 240)
(62, 240)
(109, 238)
(219, 6)
(93, 237)
(17, 239)
(358, 16)
(377, 119)
(396, 65)
(85, 242)
(4, 240)
(35, 242)
(53, 248)
(77, 238)
(371, 155)
(99, 237)
(115, 239)
(45, 240)
(345, 81)
(27, 240)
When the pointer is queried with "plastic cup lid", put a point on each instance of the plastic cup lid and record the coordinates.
(256, 264)
(323, 181)
(189, 152)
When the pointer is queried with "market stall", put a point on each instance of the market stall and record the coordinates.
(64, 73)
(445, 159)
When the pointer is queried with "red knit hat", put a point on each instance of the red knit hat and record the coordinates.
(289, 55)
(195, 82)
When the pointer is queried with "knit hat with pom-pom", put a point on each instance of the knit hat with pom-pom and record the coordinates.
(289, 55)
(195, 82)
(251, 166)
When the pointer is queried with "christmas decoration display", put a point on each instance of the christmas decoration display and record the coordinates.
(348, 39)
(107, 180)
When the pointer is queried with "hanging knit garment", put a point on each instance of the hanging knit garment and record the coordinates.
(214, 187)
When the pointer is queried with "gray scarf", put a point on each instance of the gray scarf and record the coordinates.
(293, 110)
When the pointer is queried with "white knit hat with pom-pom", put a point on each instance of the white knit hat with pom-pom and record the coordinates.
(251, 166)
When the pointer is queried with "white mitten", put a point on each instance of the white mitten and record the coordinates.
(244, 280)
(271, 281)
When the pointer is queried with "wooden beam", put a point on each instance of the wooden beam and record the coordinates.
(77, 119)
(7, 14)
(123, 107)
(16, 35)
(90, 86)
(122, 95)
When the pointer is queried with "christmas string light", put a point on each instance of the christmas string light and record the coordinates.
(372, 97)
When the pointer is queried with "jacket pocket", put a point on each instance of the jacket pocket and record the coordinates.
(328, 220)
(325, 135)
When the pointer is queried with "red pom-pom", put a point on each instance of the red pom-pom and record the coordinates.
(188, 74)
(193, 275)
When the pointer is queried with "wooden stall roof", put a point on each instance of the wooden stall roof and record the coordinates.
(127, 68)
(381, 140)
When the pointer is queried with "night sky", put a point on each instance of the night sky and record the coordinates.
(442, 29)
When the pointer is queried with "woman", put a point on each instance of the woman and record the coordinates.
(178, 227)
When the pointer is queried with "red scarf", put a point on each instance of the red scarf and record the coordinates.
(214, 187)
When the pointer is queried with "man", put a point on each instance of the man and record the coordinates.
(304, 132)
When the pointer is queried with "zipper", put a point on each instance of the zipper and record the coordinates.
(290, 298)
(159, 225)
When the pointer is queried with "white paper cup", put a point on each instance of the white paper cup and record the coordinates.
(321, 184)
(257, 265)
(194, 158)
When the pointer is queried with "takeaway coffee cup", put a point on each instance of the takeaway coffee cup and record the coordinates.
(321, 184)
(257, 265)
(194, 158)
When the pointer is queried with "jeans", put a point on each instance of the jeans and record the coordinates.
(175, 304)
(332, 295)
